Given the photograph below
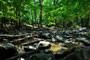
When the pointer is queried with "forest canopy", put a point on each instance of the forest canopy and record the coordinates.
(62, 13)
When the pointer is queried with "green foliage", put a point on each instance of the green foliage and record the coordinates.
(63, 10)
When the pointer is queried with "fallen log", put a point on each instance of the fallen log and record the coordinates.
(21, 39)
(31, 42)
(6, 35)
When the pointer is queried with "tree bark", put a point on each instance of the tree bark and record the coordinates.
(40, 22)
(54, 3)
(82, 22)
(35, 17)
(32, 18)
(87, 22)
(19, 20)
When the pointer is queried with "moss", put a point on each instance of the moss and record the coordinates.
(55, 48)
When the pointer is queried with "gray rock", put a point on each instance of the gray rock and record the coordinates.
(42, 45)
(46, 35)
(59, 38)
(53, 39)
(29, 48)
(83, 40)
(84, 29)
(61, 44)
(53, 31)
(80, 39)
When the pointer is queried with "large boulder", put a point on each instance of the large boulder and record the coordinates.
(79, 54)
(7, 50)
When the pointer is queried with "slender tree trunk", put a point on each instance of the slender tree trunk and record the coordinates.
(40, 22)
(19, 20)
(0, 10)
(35, 17)
(15, 23)
(87, 22)
(11, 21)
(82, 22)
(2, 23)
(32, 18)
(54, 3)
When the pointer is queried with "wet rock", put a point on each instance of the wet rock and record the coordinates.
(53, 31)
(29, 48)
(62, 54)
(79, 39)
(59, 38)
(20, 59)
(45, 35)
(62, 44)
(83, 40)
(68, 41)
(40, 56)
(79, 54)
(7, 50)
(42, 45)
(67, 37)
(53, 38)
(84, 29)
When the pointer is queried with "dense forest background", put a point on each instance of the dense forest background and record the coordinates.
(44, 29)
(60, 13)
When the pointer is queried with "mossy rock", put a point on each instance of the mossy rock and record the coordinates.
(56, 48)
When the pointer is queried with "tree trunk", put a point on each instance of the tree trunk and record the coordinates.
(54, 3)
(40, 22)
(82, 22)
(35, 17)
(0, 10)
(87, 22)
(19, 20)
(32, 18)
(11, 21)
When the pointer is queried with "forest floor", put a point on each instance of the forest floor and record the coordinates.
(47, 43)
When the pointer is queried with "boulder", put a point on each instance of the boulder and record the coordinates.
(7, 50)
(84, 29)
(40, 56)
(45, 35)
(42, 45)
(79, 54)
(59, 38)
(53, 31)
(83, 40)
